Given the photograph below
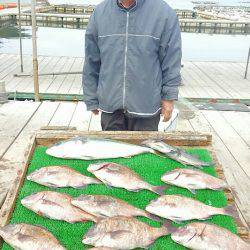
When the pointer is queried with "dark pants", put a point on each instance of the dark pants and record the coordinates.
(120, 121)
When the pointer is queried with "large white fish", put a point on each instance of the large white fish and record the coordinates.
(103, 206)
(95, 148)
(204, 236)
(56, 206)
(61, 176)
(123, 233)
(176, 154)
(179, 208)
(26, 237)
(116, 175)
(193, 180)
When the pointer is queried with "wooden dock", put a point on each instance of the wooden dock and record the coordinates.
(213, 80)
(230, 130)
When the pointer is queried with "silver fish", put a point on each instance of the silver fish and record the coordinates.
(103, 206)
(56, 206)
(95, 148)
(123, 233)
(61, 176)
(179, 208)
(193, 180)
(116, 175)
(25, 237)
(176, 154)
(203, 236)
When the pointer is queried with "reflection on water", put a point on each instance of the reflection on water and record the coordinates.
(13, 32)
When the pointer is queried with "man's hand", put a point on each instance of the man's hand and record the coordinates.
(95, 112)
(167, 109)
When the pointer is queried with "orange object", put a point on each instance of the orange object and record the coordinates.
(1, 6)
(11, 5)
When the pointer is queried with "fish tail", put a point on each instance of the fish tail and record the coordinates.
(168, 228)
(159, 189)
(152, 217)
(208, 164)
(231, 210)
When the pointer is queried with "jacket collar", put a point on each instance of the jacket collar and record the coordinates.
(138, 3)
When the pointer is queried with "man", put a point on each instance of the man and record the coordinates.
(132, 63)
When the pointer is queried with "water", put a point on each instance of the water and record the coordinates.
(59, 42)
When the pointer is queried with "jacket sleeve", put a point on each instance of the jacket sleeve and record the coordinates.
(91, 67)
(170, 54)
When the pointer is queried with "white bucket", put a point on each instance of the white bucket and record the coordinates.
(3, 94)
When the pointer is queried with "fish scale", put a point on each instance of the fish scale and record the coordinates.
(193, 180)
(24, 236)
(95, 148)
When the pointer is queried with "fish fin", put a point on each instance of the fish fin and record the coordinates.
(168, 225)
(159, 189)
(127, 157)
(153, 217)
(208, 164)
(193, 191)
(177, 221)
(79, 186)
(117, 234)
(231, 210)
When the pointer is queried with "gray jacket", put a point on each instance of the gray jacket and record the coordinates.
(132, 58)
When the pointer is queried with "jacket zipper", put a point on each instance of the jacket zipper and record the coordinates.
(125, 61)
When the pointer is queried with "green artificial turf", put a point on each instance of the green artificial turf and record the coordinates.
(150, 167)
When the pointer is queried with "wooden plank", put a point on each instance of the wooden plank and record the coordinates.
(177, 138)
(14, 122)
(240, 122)
(15, 156)
(63, 65)
(9, 204)
(231, 139)
(45, 81)
(233, 172)
(81, 117)
(28, 84)
(64, 114)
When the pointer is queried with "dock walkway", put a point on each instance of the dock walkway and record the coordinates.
(230, 130)
(201, 79)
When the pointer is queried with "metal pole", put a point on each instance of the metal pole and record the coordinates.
(248, 57)
(34, 46)
(20, 35)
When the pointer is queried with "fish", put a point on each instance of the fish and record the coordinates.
(56, 206)
(85, 148)
(123, 233)
(103, 206)
(25, 237)
(115, 175)
(61, 176)
(203, 236)
(193, 180)
(176, 154)
(179, 208)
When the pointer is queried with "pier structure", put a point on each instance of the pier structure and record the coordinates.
(77, 17)
(76, 21)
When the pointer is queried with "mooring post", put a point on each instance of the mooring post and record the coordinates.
(248, 57)
(34, 43)
(20, 35)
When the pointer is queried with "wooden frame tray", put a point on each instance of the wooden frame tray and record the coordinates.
(49, 136)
